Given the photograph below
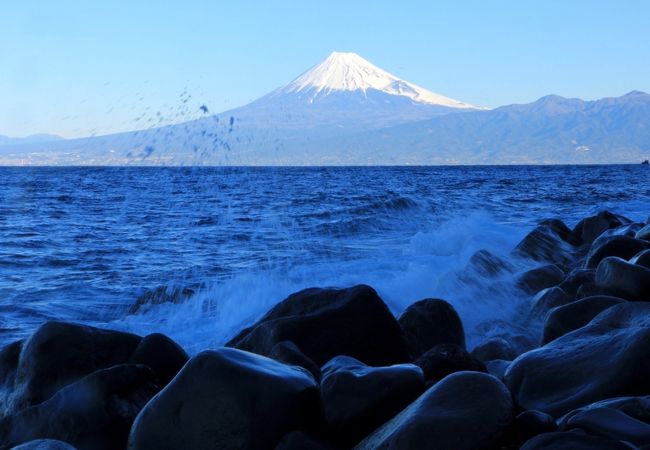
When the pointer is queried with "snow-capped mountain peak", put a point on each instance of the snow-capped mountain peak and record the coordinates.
(342, 71)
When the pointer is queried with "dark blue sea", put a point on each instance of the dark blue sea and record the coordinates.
(82, 244)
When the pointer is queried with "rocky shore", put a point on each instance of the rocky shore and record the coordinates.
(334, 369)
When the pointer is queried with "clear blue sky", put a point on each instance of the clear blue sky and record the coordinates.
(81, 67)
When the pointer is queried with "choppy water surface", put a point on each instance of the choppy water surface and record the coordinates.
(82, 243)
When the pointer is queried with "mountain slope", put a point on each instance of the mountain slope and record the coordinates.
(551, 130)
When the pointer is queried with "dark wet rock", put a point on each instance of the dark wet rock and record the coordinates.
(561, 230)
(569, 440)
(488, 265)
(358, 398)
(540, 278)
(466, 410)
(228, 398)
(611, 423)
(636, 407)
(44, 444)
(494, 348)
(299, 440)
(576, 278)
(588, 229)
(95, 412)
(606, 358)
(620, 246)
(547, 299)
(58, 354)
(642, 259)
(164, 356)
(445, 359)
(529, 424)
(325, 323)
(629, 230)
(160, 295)
(643, 233)
(8, 365)
(623, 279)
(570, 317)
(430, 322)
(543, 244)
(497, 367)
(288, 353)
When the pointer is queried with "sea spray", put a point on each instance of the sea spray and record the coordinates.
(432, 263)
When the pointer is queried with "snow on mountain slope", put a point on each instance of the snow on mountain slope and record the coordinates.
(350, 72)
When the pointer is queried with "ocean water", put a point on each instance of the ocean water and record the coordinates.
(81, 244)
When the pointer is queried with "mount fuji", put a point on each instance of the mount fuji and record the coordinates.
(345, 93)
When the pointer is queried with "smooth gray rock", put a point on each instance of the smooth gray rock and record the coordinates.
(589, 228)
(611, 423)
(567, 318)
(623, 279)
(228, 399)
(430, 322)
(621, 246)
(95, 412)
(58, 354)
(466, 410)
(163, 355)
(325, 323)
(606, 358)
(358, 398)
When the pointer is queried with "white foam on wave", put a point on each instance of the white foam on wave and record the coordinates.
(432, 263)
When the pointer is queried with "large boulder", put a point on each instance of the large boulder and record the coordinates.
(358, 398)
(95, 412)
(564, 319)
(621, 246)
(9, 357)
(611, 423)
(540, 278)
(570, 440)
(163, 355)
(430, 322)
(58, 354)
(636, 407)
(545, 244)
(325, 323)
(466, 410)
(228, 399)
(588, 229)
(603, 359)
(621, 278)
(445, 359)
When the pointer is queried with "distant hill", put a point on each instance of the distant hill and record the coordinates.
(33, 139)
